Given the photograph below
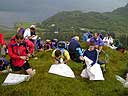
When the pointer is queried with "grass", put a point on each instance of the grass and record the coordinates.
(45, 84)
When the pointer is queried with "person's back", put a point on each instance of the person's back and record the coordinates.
(73, 45)
(47, 45)
(75, 49)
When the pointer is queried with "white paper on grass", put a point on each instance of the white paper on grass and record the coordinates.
(62, 70)
(122, 80)
(94, 72)
(13, 79)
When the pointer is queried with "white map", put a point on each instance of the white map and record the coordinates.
(62, 70)
(13, 79)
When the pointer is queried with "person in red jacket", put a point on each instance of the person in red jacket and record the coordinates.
(19, 51)
(3, 44)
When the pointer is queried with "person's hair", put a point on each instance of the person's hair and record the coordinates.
(1, 62)
(97, 33)
(32, 28)
(91, 43)
(57, 53)
(19, 36)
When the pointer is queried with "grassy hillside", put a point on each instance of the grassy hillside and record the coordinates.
(44, 84)
(109, 21)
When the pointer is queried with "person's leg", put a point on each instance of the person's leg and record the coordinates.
(28, 69)
(30, 72)
(16, 70)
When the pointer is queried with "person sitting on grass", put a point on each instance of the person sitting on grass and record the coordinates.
(4, 66)
(98, 41)
(19, 50)
(75, 50)
(61, 57)
(92, 68)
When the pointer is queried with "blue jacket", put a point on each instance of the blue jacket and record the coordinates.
(74, 46)
(3, 66)
(93, 55)
(97, 41)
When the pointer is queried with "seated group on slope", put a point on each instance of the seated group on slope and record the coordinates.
(75, 52)
(23, 45)
(107, 39)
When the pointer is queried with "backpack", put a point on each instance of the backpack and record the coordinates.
(61, 45)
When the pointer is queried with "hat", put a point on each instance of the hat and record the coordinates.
(48, 40)
(76, 38)
(33, 26)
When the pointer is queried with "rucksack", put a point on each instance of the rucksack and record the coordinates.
(62, 44)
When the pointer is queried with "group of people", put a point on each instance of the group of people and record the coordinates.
(20, 47)
(23, 45)
(75, 52)
(108, 41)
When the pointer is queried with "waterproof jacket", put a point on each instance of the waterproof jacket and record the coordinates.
(2, 41)
(97, 41)
(16, 50)
(93, 55)
(73, 45)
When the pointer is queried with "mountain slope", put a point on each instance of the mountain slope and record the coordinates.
(109, 21)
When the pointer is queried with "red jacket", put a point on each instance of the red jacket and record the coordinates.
(15, 51)
(2, 41)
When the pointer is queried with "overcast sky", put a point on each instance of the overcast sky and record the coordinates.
(35, 10)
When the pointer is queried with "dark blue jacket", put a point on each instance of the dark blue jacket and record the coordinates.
(93, 55)
(73, 45)
(3, 66)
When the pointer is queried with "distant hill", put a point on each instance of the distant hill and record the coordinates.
(110, 21)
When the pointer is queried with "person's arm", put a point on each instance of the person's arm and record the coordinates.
(80, 53)
(54, 58)
(30, 46)
(66, 54)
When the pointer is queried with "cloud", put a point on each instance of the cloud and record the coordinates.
(38, 10)
(58, 5)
